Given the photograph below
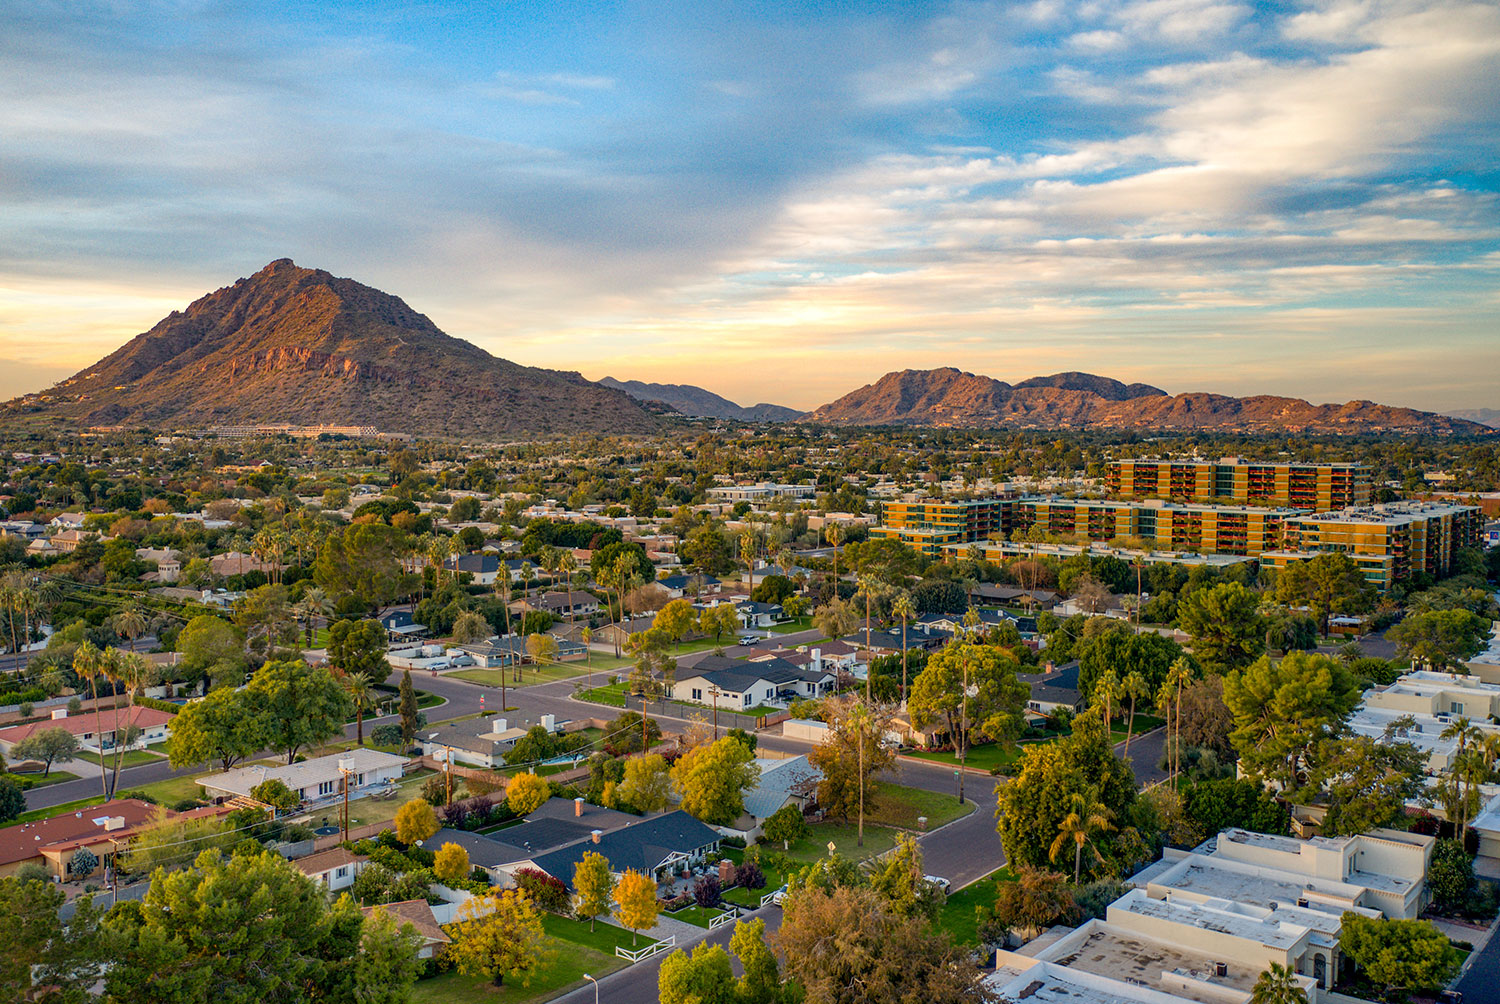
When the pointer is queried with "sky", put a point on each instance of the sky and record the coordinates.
(783, 201)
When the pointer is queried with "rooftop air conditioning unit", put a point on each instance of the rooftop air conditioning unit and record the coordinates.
(1221, 969)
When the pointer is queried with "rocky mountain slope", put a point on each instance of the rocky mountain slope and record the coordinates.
(300, 346)
(950, 397)
(696, 402)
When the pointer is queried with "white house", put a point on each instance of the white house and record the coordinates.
(314, 780)
(334, 869)
(145, 725)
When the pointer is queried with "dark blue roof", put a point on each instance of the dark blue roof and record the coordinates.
(642, 846)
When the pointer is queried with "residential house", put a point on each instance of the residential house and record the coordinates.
(67, 521)
(168, 563)
(792, 781)
(688, 584)
(146, 725)
(417, 913)
(239, 563)
(481, 742)
(734, 684)
(334, 869)
(954, 623)
(1054, 689)
(561, 603)
(399, 626)
(659, 846)
(67, 541)
(754, 614)
(316, 780)
(102, 829)
(484, 568)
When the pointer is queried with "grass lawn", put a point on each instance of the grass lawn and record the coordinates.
(560, 972)
(986, 757)
(898, 805)
(878, 840)
(751, 897)
(604, 938)
(530, 675)
(38, 781)
(174, 789)
(374, 810)
(792, 626)
(134, 758)
(695, 915)
(959, 917)
(611, 694)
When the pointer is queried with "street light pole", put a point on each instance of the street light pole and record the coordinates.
(345, 769)
(596, 986)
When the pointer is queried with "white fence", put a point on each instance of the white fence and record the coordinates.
(720, 920)
(768, 897)
(636, 955)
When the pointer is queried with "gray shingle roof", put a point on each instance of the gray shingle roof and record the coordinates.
(642, 846)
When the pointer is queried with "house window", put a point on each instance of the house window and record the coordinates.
(1456, 707)
(325, 787)
(769, 695)
(697, 693)
(747, 700)
(343, 872)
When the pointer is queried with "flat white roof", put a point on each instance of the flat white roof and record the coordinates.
(298, 776)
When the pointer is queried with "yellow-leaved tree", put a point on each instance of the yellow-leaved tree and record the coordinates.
(525, 793)
(497, 936)
(635, 895)
(593, 883)
(415, 821)
(451, 864)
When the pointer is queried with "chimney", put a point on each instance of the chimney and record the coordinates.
(499, 725)
(59, 713)
(578, 806)
(112, 823)
(594, 835)
(817, 660)
(549, 722)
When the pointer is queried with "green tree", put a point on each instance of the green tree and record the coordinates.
(1225, 624)
(243, 932)
(363, 560)
(213, 648)
(1440, 639)
(1037, 899)
(358, 647)
(415, 821)
(705, 977)
(227, 725)
(499, 935)
(786, 824)
(12, 801)
(836, 618)
(1365, 783)
(387, 963)
(675, 619)
(1282, 710)
(408, 709)
(302, 705)
(850, 758)
(274, 792)
(1277, 985)
(711, 780)
(363, 696)
(761, 982)
(1032, 807)
(1410, 954)
(45, 960)
(168, 842)
(1326, 584)
(648, 783)
(1450, 876)
(900, 880)
(593, 885)
(996, 701)
(53, 744)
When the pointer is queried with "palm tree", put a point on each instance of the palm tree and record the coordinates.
(8, 601)
(132, 670)
(1277, 985)
(130, 623)
(1135, 688)
(748, 548)
(902, 607)
(361, 690)
(568, 564)
(1086, 817)
(868, 585)
(1179, 674)
(314, 604)
(834, 533)
(88, 663)
(859, 717)
(1461, 767)
(470, 627)
(1107, 692)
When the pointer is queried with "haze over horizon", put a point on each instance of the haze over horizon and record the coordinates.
(782, 204)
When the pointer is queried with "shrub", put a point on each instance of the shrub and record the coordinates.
(435, 790)
(749, 876)
(546, 892)
(386, 735)
(732, 842)
(159, 705)
(679, 902)
(706, 892)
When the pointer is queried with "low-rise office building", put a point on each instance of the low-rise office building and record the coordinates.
(1319, 487)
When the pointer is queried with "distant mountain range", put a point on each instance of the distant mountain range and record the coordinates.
(695, 402)
(299, 346)
(1484, 416)
(950, 397)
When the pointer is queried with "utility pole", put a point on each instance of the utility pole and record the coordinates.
(346, 767)
(713, 690)
(963, 731)
(448, 775)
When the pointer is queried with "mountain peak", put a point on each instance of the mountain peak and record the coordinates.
(300, 346)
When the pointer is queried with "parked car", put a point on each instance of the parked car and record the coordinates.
(778, 896)
(938, 881)
(748, 639)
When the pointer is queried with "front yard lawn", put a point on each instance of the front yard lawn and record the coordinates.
(899, 805)
(174, 789)
(604, 938)
(695, 915)
(561, 972)
(57, 776)
(55, 810)
(960, 916)
(530, 675)
(134, 758)
(878, 840)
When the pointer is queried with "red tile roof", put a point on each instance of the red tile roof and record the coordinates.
(79, 724)
(26, 840)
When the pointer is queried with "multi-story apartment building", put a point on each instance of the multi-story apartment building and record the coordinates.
(1390, 542)
(1212, 529)
(929, 524)
(1318, 487)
